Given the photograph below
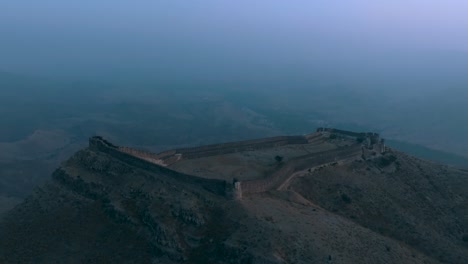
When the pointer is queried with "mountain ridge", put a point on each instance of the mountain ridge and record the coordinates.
(104, 205)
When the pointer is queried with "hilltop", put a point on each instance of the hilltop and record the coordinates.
(328, 197)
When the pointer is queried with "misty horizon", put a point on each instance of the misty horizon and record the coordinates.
(247, 131)
(398, 68)
(209, 40)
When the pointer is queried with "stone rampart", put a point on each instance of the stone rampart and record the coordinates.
(299, 164)
(263, 185)
(372, 138)
(233, 147)
(342, 132)
(153, 162)
(216, 186)
(146, 155)
(336, 155)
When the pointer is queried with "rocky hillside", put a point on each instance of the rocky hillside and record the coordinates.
(418, 203)
(99, 208)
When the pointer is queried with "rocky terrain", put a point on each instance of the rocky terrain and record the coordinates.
(105, 205)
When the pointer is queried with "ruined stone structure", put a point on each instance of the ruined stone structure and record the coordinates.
(366, 145)
(370, 140)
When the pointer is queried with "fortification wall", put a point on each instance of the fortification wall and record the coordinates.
(299, 164)
(342, 132)
(372, 138)
(233, 147)
(263, 185)
(216, 186)
(318, 159)
(172, 156)
(146, 155)
(151, 161)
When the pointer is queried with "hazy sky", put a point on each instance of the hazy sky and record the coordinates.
(90, 37)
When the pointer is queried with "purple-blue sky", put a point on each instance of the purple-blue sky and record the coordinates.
(92, 37)
(399, 65)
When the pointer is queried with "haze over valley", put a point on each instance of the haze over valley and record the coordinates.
(167, 75)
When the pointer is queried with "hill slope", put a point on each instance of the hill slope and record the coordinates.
(102, 207)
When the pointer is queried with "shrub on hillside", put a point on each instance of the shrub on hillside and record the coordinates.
(278, 159)
(346, 198)
(386, 160)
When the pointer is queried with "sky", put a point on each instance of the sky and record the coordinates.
(209, 38)
(387, 54)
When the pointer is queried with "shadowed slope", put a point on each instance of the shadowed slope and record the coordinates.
(104, 205)
(419, 203)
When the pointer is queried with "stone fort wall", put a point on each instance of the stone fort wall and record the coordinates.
(172, 156)
(300, 164)
(146, 155)
(373, 137)
(153, 162)
(219, 187)
(233, 147)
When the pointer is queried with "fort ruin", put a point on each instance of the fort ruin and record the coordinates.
(347, 147)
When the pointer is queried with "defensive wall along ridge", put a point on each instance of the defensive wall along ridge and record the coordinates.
(216, 186)
(169, 157)
(303, 163)
(371, 142)
(233, 147)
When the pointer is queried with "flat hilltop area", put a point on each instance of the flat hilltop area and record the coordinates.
(325, 197)
(251, 164)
